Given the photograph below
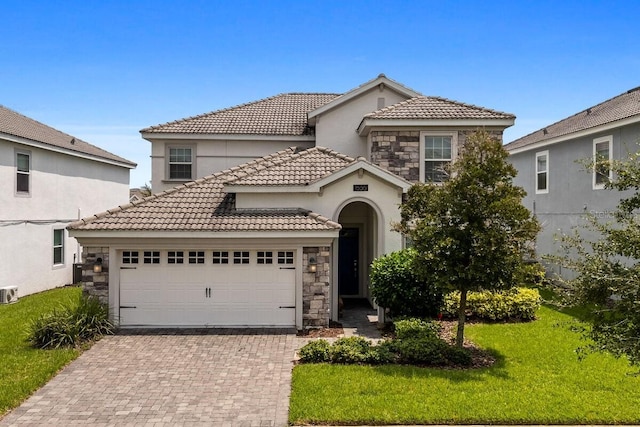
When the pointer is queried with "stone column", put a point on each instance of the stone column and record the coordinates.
(315, 287)
(95, 284)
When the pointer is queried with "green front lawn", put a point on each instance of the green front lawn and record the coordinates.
(24, 369)
(537, 380)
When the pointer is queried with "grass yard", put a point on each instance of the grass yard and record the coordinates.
(24, 369)
(537, 380)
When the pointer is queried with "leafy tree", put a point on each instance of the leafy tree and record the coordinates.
(472, 231)
(604, 254)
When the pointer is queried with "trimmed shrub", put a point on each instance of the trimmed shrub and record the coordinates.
(72, 325)
(350, 350)
(315, 352)
(415, 328)
(395, 286)
(514, 304)
(382, 354)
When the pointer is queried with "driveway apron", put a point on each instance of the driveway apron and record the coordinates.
(197, 377)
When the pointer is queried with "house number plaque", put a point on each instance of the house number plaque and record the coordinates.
(361, 187)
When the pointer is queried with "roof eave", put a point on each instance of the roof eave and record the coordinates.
(380, 80)
(150, 136)
(573, 135)
(56, 149)
(200, 235)
(367, 124)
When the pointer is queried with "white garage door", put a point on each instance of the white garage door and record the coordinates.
(207, 288)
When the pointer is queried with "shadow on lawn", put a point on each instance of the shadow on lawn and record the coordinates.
(498, 370)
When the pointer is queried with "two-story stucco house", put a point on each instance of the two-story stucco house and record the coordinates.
(49, 179)
(273, 209)
(551, 165)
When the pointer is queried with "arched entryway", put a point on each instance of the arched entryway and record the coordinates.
(357, 247)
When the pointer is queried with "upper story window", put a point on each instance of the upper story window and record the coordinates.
(23, 173)
(180, 163)
(602, 148)
(436, 152)
(58, 246)
(542, 172)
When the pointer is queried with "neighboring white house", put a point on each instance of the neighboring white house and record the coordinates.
(551, 165)
(49, 179)
(275, 241)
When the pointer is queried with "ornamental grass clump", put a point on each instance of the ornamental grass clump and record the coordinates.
(71, 325)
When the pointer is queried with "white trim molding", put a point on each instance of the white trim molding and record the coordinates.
(539, 171)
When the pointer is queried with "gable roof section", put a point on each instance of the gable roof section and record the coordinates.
(284, 114)
(32, 132)
(353, 93)
(434, 110)
(289, 168)
(203, 205)
(617, 111)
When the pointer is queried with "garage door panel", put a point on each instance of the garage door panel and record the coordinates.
(178, 295)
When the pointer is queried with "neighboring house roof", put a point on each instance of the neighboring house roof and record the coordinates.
(612, 112)
(17, 125)
(289, 167)
(284, 114)
(203, 205)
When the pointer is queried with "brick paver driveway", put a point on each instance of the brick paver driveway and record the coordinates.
(232, 377)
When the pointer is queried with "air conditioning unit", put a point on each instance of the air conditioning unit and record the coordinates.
(8, 294)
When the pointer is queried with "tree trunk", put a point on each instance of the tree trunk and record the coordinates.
(461, 318)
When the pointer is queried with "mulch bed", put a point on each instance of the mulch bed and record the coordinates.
(479, 358)
(333, 331)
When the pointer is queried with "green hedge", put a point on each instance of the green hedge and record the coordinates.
(513, 304)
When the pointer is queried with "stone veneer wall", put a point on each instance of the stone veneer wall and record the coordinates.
(399, 151)
(95, 284)
(315, 287)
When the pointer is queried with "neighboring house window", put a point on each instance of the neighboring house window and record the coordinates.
(196, 257)
(58, 247)
(180, 163)
(285, 257)
(436, 152)
(175, 257)
(220, 257)
(601, 159)
(265, 257)
(241, 257)
(151, 257)
(542, 172)
(23, 172)
(130, 257)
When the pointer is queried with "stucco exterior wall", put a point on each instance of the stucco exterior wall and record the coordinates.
(214, 155)
(62, 189)
(336, 129)
(384, 199)
(571, 194)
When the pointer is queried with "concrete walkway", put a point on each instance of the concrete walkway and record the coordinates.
(201, 377)
(359, 319)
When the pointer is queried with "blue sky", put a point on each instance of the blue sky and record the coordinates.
(103, 70)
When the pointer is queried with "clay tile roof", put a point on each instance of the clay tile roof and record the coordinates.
(290, 167)
(621, 107)
(203, 205)
(15, 124)
(434, 107)
(284, 114)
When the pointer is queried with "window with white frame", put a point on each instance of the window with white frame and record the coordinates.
(241, 257)
(601, 158)
(542, 172)
(196, 257)
(220, 257)
(436, 152)
(180, 165)
(264, 257)
(130, 257)
(152, 257)
(58, 246)
(23, 172)
(285, 257)
(175, 257)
